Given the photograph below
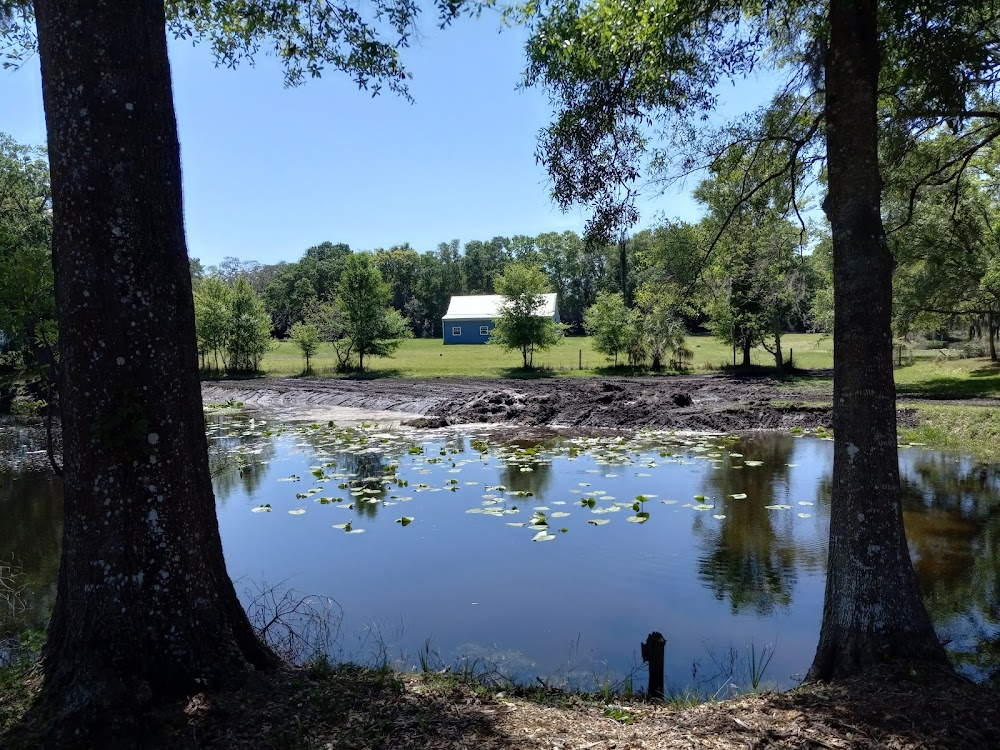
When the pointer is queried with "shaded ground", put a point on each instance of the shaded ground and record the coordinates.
(705, 402)
(354, 708)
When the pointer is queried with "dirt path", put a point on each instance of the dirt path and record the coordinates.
(706, 402)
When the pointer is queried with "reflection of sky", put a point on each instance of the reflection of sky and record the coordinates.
(460, 578)
(474, 585)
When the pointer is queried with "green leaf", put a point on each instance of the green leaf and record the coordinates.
(405, 520)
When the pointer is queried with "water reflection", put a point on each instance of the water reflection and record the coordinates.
(751, 557)
(240, 452)
(951, 508)
(733, 566)
(30, 539)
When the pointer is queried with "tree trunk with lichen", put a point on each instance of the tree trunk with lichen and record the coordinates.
(145, 609)
(872, 612)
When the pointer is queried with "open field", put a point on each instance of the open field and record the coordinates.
(430, 358)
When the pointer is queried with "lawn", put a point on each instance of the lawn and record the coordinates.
(930, 375)
(418, 358)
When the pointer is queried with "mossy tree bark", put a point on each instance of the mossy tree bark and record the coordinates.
(872, 612)
(145, 608)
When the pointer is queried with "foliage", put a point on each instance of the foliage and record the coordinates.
(27, 302)
(611, 324)
(373, 328)
(213, 317)
(661, 329)
(249, 336)
(305, 336)
(295, 287)
(519, 325)
(756, 280)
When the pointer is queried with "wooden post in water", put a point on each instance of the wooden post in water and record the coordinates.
(652, 653)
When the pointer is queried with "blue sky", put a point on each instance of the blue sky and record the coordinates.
(270, 171)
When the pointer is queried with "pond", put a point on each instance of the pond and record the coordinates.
(556, 558)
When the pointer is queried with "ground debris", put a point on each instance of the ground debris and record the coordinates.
(354, 708)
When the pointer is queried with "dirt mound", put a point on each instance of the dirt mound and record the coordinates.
(710, 402)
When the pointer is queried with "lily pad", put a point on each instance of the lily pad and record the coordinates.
(405, 520)
(739, 496)
(805, 515)
(543, 536)
(261, 509)
(599, 521)
(297, 512)
(778, 507)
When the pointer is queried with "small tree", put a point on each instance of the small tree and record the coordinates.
(371, 326)
(520, 326)
(305, 336)
(213, 319)
(328, 319)
(661, 329)
(250, 329)
(611, 324)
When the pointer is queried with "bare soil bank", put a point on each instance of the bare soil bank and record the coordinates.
(707, 402)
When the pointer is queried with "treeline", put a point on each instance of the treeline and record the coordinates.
(421, 284)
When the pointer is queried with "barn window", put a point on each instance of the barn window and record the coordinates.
(484, 330)
(456, 330)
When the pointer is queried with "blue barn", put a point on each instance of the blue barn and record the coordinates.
(470, 319)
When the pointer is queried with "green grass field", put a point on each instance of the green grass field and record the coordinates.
(930, 375)
(431, 358)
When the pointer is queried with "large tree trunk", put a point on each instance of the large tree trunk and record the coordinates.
(746, 345)
(872, 611)
(145, 608)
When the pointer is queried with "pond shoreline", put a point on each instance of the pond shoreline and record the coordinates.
(705, 403)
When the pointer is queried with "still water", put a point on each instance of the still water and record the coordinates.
(556, 560)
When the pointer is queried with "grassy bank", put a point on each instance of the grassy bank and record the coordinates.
(971, 429)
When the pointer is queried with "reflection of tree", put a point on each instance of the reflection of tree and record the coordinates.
(951, 509)
(239, 455)
(537, 480)
(747, 559)
(367, 470)
(31, 537)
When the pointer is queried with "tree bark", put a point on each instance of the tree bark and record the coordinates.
(747, 345)
(145, 609)
(872, 611)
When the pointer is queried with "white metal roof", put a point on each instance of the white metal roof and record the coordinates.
(480, 306)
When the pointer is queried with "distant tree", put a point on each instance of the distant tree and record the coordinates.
(328, 319)
(305, 336)
(439, 277)
(249, 336)
(374, 329)
(399, 266)
(519, 325)
(213, 319)
(611, 325)
(295, 287)
(483, 262)
(661, 329)
(27, 301)
(197, 271)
